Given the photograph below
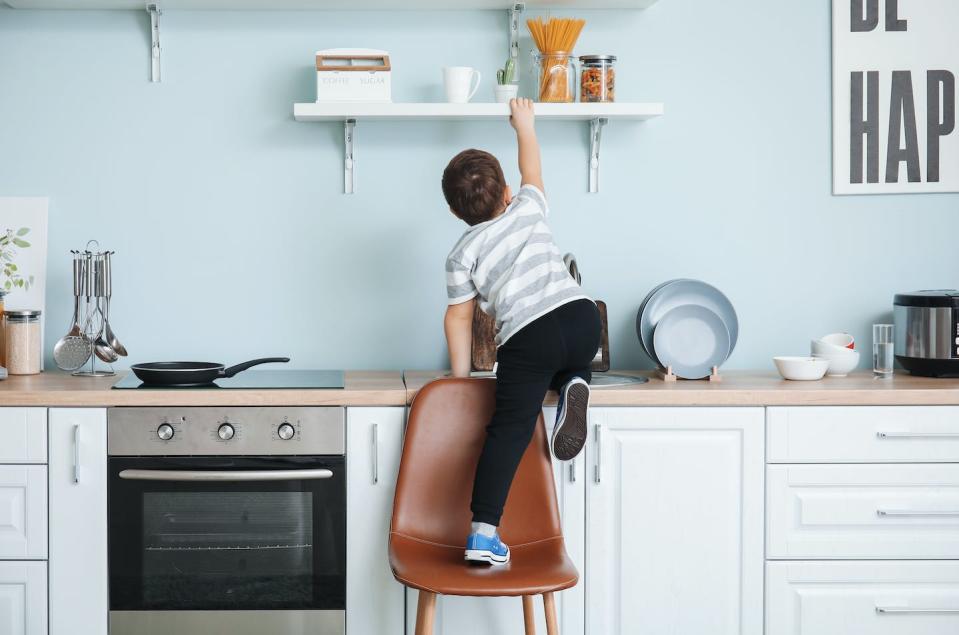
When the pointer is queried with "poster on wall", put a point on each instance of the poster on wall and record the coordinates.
(23, 254)
(894, 96)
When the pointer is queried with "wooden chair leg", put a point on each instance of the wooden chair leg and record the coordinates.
(552, 625)
(529, 618)
(425, 610)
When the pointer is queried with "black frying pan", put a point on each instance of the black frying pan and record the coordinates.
(192, 373)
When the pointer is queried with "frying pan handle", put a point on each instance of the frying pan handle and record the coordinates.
(233, 370)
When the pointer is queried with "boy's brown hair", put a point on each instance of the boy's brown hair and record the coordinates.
(473, 184)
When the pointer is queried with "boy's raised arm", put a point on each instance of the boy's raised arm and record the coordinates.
(522, 120)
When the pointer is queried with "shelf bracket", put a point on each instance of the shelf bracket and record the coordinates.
(154, 11)
(349, 178)
(595, 136)
(514, 14)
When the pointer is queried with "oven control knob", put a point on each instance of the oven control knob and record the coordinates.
(165, 431)
(285, 431)
(225, 432)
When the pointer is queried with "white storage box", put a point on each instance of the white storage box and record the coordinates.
(350, 74)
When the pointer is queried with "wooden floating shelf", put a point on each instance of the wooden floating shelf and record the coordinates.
(473, 111)
(349, 113)
(327, 5)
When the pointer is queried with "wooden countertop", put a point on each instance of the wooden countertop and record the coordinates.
(387, 388)
(55, 389)
(752, 388)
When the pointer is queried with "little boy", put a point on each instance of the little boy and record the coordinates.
(548, 330)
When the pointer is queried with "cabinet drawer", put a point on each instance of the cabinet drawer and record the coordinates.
(868, 434)
(862, 511)
(24, 434)
(853, 598)
(23, 512)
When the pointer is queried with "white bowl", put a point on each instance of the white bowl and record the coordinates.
(819, 347)
(843, 340)
(840, 364)
(801, 368)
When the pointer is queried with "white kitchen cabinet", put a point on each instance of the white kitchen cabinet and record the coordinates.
(374, 443)
(675, 521)
(23, 512)
(23, 598)
(78, 521)
(862, 511)
(863, 434)
(24, 434)
(862, 598)
(457, 615)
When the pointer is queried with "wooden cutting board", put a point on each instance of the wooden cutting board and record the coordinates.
(484, 341)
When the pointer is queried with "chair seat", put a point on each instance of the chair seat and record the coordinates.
(534, 568)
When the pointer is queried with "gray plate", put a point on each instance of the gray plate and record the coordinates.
(639, 314)
(691, 339)
(677, 293)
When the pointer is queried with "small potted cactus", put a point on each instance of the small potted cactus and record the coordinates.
(506, 87)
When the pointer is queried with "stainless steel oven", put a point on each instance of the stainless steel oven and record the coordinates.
(227, 520)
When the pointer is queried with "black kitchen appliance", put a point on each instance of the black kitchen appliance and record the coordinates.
(927, 332)
(227, 520)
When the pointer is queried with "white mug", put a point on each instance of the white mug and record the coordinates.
(457, 80)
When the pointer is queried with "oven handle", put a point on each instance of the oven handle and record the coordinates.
(225, 476)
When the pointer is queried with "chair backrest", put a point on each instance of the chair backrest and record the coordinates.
(444, 438)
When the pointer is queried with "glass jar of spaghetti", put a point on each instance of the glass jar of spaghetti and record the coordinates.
(598, 78)
(557, 77)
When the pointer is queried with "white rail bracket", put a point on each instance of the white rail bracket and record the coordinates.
(349, 177)
(154, 11)
(514, 15)
(595, 137)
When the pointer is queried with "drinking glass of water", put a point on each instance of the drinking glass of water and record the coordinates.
(882, 350)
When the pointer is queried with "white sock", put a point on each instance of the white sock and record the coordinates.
(483, 529)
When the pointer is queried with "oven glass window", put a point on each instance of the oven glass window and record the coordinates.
(251, 546)
(226, 546)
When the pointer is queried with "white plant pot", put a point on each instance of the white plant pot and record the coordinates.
(505, 92)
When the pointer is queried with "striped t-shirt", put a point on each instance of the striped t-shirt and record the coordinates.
(512, 264)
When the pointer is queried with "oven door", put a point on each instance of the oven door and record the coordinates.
(246, 544)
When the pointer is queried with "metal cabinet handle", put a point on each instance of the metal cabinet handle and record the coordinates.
(598, 468)
(917, 435)
(893, 610)
(76, 453)
(917, 512)
(572, 470)
(376, 454)
(236, 476)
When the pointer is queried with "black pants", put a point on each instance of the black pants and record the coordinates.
(544, 354)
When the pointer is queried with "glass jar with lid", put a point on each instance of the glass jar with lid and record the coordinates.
(22, 342)
(597, 78)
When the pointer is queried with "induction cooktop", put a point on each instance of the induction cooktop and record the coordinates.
(253, 380)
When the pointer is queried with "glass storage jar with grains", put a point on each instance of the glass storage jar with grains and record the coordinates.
(598, 78)
(22, 340)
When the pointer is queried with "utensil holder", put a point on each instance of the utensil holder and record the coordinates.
(669, 376)
(94, 288)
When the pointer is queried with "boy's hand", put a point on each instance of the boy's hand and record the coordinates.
(521, 115)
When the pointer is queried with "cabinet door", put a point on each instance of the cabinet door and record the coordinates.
(23, 512)
(504, 616)
(78, 521)
(374, 442)
(23, 598)
(675, 521)
(862, 598)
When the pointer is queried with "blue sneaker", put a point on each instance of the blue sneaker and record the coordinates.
(488, 549)
(569, 433)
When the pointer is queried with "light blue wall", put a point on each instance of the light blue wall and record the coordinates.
(233, 238)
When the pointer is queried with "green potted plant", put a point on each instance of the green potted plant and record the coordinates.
(506, 87)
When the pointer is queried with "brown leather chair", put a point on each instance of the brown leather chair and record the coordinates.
(431, 515)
